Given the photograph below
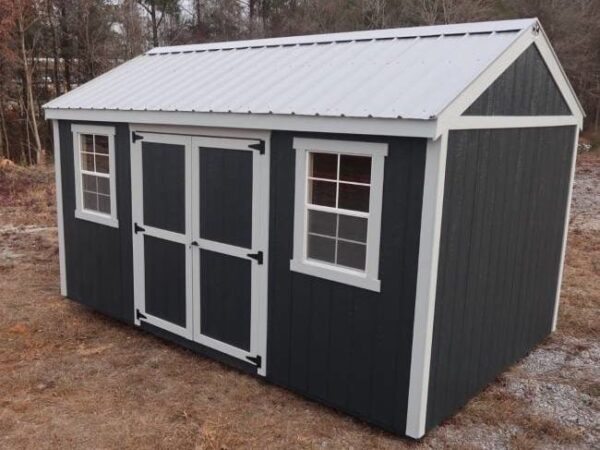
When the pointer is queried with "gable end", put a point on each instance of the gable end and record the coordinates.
(525, 88)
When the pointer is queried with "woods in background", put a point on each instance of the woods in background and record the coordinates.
(48, 47)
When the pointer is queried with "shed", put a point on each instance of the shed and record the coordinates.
(375, 220)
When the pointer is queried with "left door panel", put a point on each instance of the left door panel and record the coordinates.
(161, 181)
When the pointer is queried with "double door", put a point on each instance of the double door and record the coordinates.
(200, 219)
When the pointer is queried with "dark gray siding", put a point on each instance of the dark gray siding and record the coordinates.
(98, 258)
(347, 347)
(502, 230)
(526, 88)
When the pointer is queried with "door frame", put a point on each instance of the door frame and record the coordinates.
(223, 138)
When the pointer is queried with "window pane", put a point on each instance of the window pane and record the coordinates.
(355, 168)
(87, 143)
(323, 165)
(104, 204)
(353, 228)
(101, 144)
(322, 223)
(354, 197)
(101, 164)
(87, 161)
(103, 186)
(90, 201)
(351, 255)
(322, 193)
(321, 248)
(89, 183)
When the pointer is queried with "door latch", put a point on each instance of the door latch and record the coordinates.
(258, 256)
(137, 228)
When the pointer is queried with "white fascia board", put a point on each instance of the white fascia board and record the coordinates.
(345, 125)
(565, 233)
(451, 115)
(427, 275)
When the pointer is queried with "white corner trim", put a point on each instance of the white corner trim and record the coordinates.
(59, 210)
(565, 233)
(427, 272)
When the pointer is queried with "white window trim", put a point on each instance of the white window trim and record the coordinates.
(80, 212)
(368, 279)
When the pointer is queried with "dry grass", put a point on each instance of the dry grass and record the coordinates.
(70, 378)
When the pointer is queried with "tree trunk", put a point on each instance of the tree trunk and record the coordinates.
(55, 66)
(154, 25)
(3, 129)
(30, 106)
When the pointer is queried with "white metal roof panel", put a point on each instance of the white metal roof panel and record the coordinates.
(411, 73)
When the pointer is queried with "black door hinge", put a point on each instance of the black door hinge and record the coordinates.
(256, 360)
(136, 137)
(137, 228)
(139, 315)
(257, 256)
(260, 146)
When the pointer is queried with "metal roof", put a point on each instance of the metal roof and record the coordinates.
(409, 73)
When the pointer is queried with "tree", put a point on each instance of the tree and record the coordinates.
(158, 9)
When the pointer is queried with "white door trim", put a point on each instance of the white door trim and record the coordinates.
(137, 216)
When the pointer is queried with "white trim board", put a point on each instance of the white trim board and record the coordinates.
(427, 271)
(565, 233)
(59, 209)
(451, 117)
(493, 122)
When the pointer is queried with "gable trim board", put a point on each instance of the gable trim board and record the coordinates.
(452, 117)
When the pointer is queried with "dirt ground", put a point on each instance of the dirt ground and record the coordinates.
(71, 378)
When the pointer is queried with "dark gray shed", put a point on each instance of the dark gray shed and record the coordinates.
(375, 220)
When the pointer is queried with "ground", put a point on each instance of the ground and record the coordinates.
(71, 378)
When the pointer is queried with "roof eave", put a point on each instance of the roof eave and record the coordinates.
(324, 124)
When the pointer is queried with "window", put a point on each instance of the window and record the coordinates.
(95, 174)
(338, 210)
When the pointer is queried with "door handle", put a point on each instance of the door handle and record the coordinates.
(258, 256)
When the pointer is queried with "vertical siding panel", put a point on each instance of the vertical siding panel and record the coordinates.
(320, 325)
(280, 252)
(526, 87)
(346, 349)
(505, 252)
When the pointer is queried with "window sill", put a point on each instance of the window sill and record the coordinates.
(98, 218)
(337, 274)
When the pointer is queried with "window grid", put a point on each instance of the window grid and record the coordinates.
(100, 199)
(334, 210)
